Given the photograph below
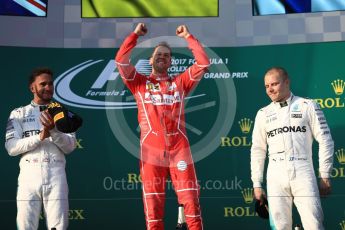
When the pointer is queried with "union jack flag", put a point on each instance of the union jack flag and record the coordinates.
(24, 7)
(264, 7)
(36, 7)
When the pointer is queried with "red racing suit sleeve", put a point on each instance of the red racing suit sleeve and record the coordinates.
(195, 72)
(127, 71)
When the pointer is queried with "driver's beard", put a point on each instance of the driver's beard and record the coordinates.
(44, 99)
(159, 70)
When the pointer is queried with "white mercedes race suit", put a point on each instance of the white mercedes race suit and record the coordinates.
(42, 175)
(288, 129)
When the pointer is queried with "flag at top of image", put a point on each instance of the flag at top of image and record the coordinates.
(148, 8)
(266, 7)
(24, 7)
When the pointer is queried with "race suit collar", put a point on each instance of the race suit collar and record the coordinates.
(282, 104)
(41, 107)
(160, 77)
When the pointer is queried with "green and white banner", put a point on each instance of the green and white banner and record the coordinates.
(103, 172)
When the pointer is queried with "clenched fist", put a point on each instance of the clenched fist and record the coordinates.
(182, 31)
(141, 29)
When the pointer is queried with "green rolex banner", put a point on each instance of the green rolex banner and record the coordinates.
(103, 172)
(149, 8)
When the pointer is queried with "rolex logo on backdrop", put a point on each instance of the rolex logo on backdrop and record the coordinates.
(73, 214)
(338, 168)
(245, 125)
(342, 225)
(245, 210)
(247, 194)
(79, 145)
(340, 156)
(338, 86)
(242, 140)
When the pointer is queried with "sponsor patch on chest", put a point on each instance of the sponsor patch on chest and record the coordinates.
(296, 115)
(162, 99)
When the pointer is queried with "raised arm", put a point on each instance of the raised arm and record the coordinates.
(196, 71)
(122, 58)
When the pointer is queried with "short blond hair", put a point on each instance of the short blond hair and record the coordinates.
(280, 70)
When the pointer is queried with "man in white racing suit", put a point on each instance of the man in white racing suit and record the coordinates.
(288, 126)
(31, 134)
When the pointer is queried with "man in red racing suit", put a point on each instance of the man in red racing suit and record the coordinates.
(164, 144)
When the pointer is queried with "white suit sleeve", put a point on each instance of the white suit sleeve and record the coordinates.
(322, 135)
(258, 150)
(16, 144)
(65, 141)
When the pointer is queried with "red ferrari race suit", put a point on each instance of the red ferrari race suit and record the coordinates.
(164, 146)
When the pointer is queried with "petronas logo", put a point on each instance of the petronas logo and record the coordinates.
(247, 194)
(245, 125)
(338, 86)
(340, 156)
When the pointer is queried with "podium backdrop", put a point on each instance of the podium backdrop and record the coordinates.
(103, 172)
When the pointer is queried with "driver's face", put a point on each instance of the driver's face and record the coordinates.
(277, 88)
(161, 59)
(42, 88)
